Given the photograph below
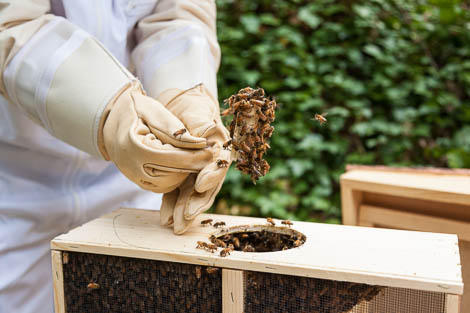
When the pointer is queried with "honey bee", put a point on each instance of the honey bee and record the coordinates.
(236, 242)
(222, 163)
(297, 243)
(245, 148)
(225, 252)
(212, 270)
(270, 221)
(220, 243)
(219, 224)
(211, 248)
(265, 146)
(179, 132)
(245, 236)
(257, 102)
(245, 105)
(287, 222)
(321, 118)
(207, 222)
(201, 245)
(65, 258)
(248, 248)
(226, 112)
(227, 144)
(93, 286)
(198, 272)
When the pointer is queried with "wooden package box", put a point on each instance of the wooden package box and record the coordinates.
(126, 262)
(428, 199)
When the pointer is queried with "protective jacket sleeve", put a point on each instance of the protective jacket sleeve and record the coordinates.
(58, 74)
(177, 46)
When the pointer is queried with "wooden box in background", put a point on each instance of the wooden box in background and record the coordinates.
(127, 262)
(431, 200)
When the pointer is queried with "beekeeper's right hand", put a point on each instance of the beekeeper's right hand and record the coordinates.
(66, 81)
(148, 143)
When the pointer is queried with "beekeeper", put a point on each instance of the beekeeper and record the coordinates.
(101, 100)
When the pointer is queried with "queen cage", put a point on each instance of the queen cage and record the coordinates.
(126, 262)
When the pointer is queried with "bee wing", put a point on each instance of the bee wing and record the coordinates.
(324, 114)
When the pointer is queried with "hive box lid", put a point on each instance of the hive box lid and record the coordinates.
(395, 258)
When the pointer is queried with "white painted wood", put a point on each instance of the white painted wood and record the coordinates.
(58, 281)
(385, 217)
(436, 187)
(346, 253)
(453, 303)
(232, 291)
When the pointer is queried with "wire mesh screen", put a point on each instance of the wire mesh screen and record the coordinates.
(274, 293)
(100, 283)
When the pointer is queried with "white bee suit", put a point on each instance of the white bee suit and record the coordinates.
(61, 62)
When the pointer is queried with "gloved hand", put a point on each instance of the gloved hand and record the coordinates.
(199, 111)
(148, 143)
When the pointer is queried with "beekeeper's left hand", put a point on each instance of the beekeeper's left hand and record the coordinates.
(199, 112)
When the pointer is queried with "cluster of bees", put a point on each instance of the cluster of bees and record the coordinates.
(251, 241)
(250, 130)
(212, 247)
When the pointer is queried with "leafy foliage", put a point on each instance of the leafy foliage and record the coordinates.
(394, 76)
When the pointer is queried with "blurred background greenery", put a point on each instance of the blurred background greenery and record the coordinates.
(393, 75)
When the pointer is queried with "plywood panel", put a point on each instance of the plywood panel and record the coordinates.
(357, 254)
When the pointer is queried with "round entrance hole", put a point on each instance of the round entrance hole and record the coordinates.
(259, 238)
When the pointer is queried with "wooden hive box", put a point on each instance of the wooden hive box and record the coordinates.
(428, 199)
(126, 262)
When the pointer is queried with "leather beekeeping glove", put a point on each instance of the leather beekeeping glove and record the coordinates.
(148, 143)
(199, 111)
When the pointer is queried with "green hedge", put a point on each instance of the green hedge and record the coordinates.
(393, 75)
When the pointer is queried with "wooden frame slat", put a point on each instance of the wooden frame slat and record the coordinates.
(232, 291)
(453, 303)
(58, 281)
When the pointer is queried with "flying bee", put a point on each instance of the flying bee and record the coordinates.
(321, 118)
(93, 286)
(222, 163)
(207, 222)
(212, 270)
(227, 144)
(179, 132)
(287, 222)
(270, 221)
(219, 224)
